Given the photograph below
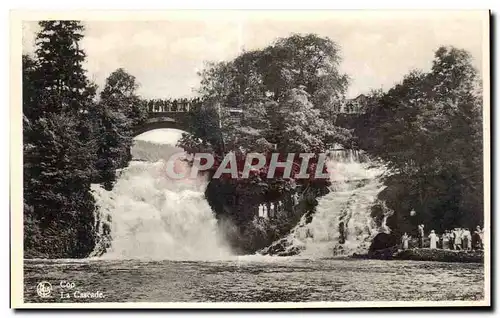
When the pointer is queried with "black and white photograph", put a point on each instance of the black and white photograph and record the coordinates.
(251, 159)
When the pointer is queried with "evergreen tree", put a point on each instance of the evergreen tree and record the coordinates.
(59, 149)
(61, 76)
(29, 87)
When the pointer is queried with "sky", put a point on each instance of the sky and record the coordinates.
(169, 136)
(165, 54)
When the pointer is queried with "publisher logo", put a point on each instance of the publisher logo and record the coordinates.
(43, 289)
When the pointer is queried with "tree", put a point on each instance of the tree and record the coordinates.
(60, 75)
(309, 61)
(261, 84)
(118, 113)
(299, 60)
(57, 194)
(428, 129)
(120, 92)
(29, 86)
(297, 126)
(59, 148)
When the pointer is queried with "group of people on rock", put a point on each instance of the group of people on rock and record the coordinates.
(456, 239)
(270, 209)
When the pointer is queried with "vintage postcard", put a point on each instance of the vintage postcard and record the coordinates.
(250, 159)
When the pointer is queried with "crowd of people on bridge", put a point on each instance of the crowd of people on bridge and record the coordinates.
(455, 239)
(171, 105)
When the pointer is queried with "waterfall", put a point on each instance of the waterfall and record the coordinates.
(343, 223)
(149, 216)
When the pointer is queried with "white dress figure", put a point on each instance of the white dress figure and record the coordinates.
(271, 210)
(261, 211)
(405, 240)
(434, 238)
(264, 211)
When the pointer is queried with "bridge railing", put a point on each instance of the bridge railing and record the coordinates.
(181, 106)
(351, 106)
(176, 105)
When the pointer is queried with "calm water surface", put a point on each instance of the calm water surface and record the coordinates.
(249, 279)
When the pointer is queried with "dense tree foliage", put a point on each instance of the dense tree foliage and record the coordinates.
(60, 67)
(58, 170)
(67, 135)
(59, 150)
(428, 130)
(118, 112)
(281, 93)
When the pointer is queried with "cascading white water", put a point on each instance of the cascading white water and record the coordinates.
(342, 223)
(150, 216)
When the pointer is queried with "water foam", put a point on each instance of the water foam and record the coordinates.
(343, 223)
(150, 216)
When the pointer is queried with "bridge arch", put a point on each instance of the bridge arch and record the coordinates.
(158, 125)
(173, 119)
(158, 120)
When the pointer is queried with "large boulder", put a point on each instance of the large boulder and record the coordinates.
(383, 241)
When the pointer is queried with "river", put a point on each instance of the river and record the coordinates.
(255, 279)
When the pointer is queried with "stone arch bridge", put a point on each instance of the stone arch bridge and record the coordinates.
(157, 120)
(176, 115)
